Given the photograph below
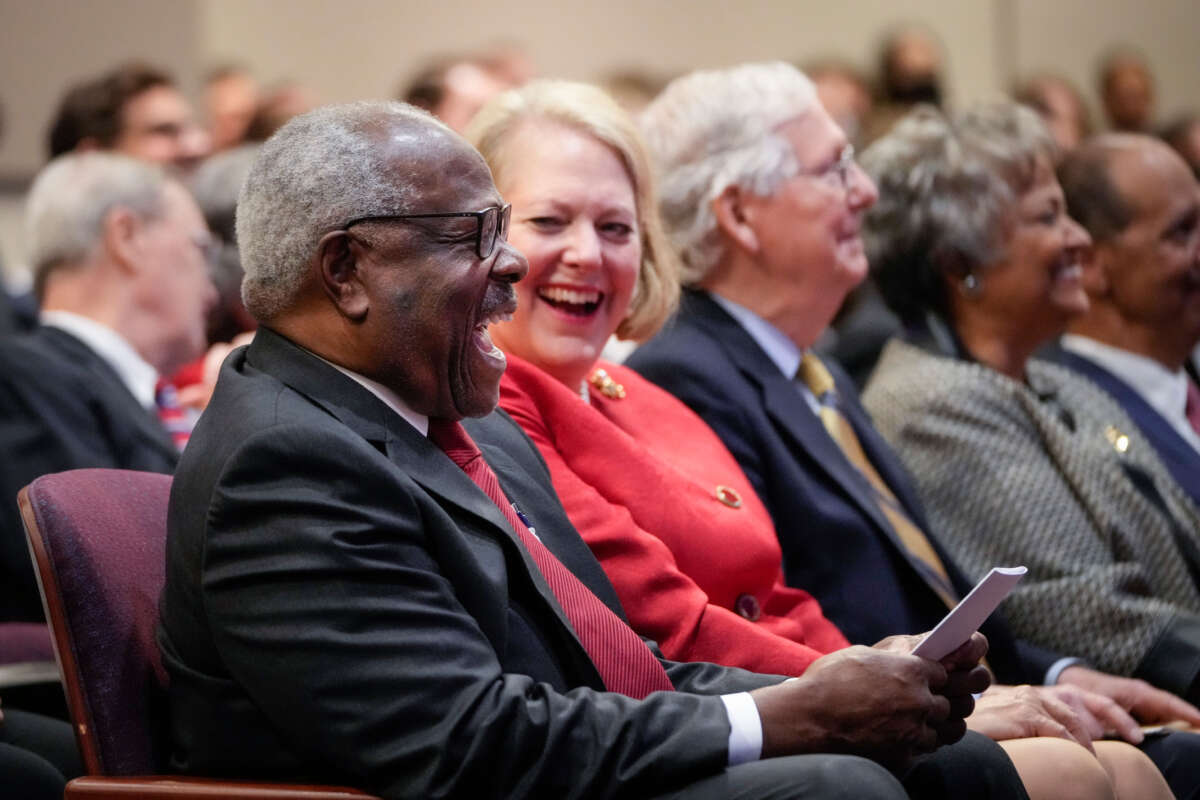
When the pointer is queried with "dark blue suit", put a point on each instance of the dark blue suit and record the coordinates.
(1180, 459)
(836, 542)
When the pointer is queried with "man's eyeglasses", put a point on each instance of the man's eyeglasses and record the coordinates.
(837, 173)
(491, 225)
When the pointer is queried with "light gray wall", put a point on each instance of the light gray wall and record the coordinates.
(350, 49)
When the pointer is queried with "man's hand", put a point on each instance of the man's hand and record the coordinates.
(1021, 712)
(880, 702)
(1148, 705)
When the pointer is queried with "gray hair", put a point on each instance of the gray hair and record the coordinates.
(72, 196)
(947, 187)
(710, 130)
(317, 172)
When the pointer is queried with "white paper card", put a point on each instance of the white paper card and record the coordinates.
(966, 617)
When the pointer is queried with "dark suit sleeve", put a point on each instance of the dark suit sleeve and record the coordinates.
(309, 573)
(46, 425)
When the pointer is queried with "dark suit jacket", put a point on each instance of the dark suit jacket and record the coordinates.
(836, 542)
(343, 603)
(1177, 455)
(61, 407)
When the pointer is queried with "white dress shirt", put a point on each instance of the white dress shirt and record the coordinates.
(137, 375)
(745, 724)
(1163, 390)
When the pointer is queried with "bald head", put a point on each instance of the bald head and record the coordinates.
(1141, 204)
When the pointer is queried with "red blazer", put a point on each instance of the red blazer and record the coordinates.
(639, 478)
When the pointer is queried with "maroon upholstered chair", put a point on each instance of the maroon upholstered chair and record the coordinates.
(98, 537)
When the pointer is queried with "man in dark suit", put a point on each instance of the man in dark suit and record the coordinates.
(133, 109)
(352, 594)
(1141, 204)
(118, 252)
(767, 262)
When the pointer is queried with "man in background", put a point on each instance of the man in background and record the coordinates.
(119, 254)
(1141, 204)
(136, 110)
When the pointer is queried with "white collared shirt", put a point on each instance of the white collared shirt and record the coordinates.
(387, 397)
(1163, 390)
(782, 351)
(133, 370)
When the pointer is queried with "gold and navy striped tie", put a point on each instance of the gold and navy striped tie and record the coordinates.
(816, 377)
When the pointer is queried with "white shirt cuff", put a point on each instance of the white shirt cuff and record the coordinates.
(745, 728)
(1056, 669)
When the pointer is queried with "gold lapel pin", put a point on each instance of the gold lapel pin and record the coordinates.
(603, 383)
(729, 496)
(1119, 441)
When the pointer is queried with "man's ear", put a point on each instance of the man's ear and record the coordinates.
(729, 207)
(119, 236)
(340, 275)
(1097, 260)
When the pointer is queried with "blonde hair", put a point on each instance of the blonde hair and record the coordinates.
(588, 109)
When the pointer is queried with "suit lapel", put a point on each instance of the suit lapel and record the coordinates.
(147, 426)
(400, 442)
(1176, 454)
(791, 415)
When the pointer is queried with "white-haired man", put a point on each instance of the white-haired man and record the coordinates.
(356, 593)
(763, 197)
(118, 251)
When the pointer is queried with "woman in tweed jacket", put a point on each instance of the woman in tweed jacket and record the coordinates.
(1019, 461)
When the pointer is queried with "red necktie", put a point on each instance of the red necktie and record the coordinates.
(1193, 405)
(172, 415)
(622, 658)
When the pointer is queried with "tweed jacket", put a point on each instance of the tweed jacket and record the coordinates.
(1054, 475)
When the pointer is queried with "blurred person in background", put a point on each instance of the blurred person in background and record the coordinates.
(1183, 134)
(633, 89)
(911, 71)
(278, 104)
(1141, 204)
(230, 101)
(1060, 106)
(136, 110)
(454, 88)
(215, 187)
(120, 255)
(1127, 91)
(845, 93)
(1021, 461)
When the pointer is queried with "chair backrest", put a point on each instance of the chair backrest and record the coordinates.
(98, 538)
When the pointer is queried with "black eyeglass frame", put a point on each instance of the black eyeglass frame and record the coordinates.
(501, 215)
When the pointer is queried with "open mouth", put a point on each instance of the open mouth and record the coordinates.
(502, 312)
(1067, 268)
(576, 302)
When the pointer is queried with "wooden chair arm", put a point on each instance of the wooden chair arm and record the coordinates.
(180, 788)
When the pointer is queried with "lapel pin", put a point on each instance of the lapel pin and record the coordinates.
(603, 383)
(1119, 441)
(729, 496)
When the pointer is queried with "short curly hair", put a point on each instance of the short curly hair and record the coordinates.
(947, 186)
